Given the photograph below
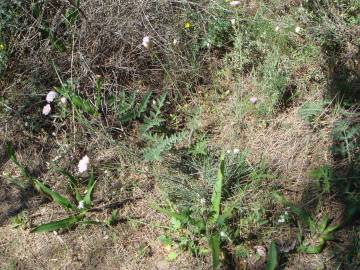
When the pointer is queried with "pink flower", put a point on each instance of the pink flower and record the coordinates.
(253, 100)
(51, 96)
(83, 164)
(46, 110)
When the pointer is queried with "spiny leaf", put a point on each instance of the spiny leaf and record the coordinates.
(272, 257)
(56, 197)
(66, 223)
(144, 103)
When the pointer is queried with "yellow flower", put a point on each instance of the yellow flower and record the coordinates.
(2, 47)
(187, 25)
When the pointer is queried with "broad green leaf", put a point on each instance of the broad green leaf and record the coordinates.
(82, 104)
(56, 197)
(272, 257)
(214, 243)
(89, 189)
(216, 196)
(66, 223)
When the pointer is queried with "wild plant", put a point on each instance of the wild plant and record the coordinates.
(79, 214)
(320, 231)
(154, 134)
(205, 224)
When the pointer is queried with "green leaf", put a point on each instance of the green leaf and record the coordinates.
(314, 249)
(181, 217)
(272, 257)
(216, 196)
(214, 243)
(66, 223)
(82, 104)
(56, 197)
(89, 189)
(144, 103)
(113, 218)
(11, 153)
(73, 184)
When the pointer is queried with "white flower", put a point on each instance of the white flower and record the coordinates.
(297, 29)
(253, 100)
(46, 110)
(146, 42)
(223, 234)
(228, 152)
(175, 42)
(63, 100)
(81, 205)
(234, 3)
(51, 96)
(236, 151)
(202, 201)
(277, 28)
(233, 21)
(83, 164)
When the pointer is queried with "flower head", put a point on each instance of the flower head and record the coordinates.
(81, 205)
(46, 110)
(63, 100)
(83, 164)
(253, 100)
(187, 25)
(297, 29)
(235, 3)
(233, 21)
(236, 151)
(146, 42)
(51, 96)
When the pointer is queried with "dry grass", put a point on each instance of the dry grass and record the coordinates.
(107, 42)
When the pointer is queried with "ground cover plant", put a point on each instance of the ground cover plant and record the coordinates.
(179, 134)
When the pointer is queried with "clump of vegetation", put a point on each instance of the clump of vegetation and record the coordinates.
(157, 90)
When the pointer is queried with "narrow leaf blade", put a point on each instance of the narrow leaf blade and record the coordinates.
(66, 223)
(56, 197)
(89, 189)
